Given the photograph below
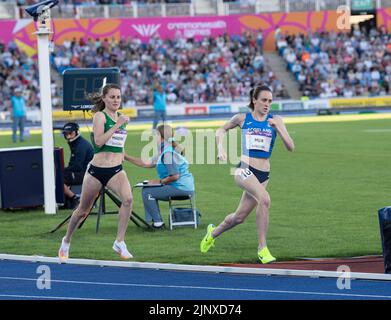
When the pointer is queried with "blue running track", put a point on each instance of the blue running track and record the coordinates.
(20, 280)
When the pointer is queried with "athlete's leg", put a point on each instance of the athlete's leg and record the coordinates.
(247, 181)
(120, 186)
(246, 205)
(262, 218)
(90, 189)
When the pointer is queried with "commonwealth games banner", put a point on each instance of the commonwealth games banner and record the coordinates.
(188, 27)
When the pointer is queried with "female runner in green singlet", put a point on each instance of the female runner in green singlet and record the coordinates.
(105, 169)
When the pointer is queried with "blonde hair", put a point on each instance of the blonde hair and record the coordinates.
(167, 133)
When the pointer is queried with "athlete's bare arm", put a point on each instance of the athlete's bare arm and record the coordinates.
(98, 123)
(235, 121)
(278, 123)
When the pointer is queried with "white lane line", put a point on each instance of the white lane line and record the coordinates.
(44, 297)
(204, 288)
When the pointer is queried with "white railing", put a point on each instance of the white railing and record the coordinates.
(179, 9)
(8, 10)
(65, 12)
(122, 11)
(332, 4)
(303, 5)
(239, 8)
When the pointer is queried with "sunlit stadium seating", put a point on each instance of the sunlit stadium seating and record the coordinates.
(339, 65)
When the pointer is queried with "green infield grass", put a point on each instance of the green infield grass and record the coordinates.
(324, 202)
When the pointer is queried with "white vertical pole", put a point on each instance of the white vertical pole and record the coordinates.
(222, 8)
(46, 116)
(17, 12)
(106, 11)
(258, 6)
(135, 9)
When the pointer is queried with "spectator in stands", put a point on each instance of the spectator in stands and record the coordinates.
(18, 114)
(81, 155)
(260, 40)
(17, 70)
(190, 71)
(330, 65)
(210, 69)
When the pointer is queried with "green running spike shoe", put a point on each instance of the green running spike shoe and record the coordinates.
(208, 240)
(265, 256)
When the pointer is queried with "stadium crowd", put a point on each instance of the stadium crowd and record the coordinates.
(18, 71)
(329, 64)
(221, 69)
(214, 70)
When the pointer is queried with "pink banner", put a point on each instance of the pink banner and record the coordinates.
(189, 27)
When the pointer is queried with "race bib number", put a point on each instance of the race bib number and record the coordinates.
(258, 142)
(117, 139)
(245, 173)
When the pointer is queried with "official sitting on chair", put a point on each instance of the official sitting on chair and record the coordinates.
(173, 171)
(81, 155)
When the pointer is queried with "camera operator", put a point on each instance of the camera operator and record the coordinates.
(81, 155)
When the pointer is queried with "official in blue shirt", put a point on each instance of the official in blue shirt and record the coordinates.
(173, 171)
(159, 105)
(18, 114)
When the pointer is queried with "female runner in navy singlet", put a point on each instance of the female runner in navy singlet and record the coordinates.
(259, 131)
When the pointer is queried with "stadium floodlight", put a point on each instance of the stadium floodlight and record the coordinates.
(39, 9)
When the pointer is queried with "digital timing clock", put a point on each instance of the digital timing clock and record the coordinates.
(79, 82)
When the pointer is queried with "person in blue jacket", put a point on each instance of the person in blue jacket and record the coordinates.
(173, 171)
(259, 131)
